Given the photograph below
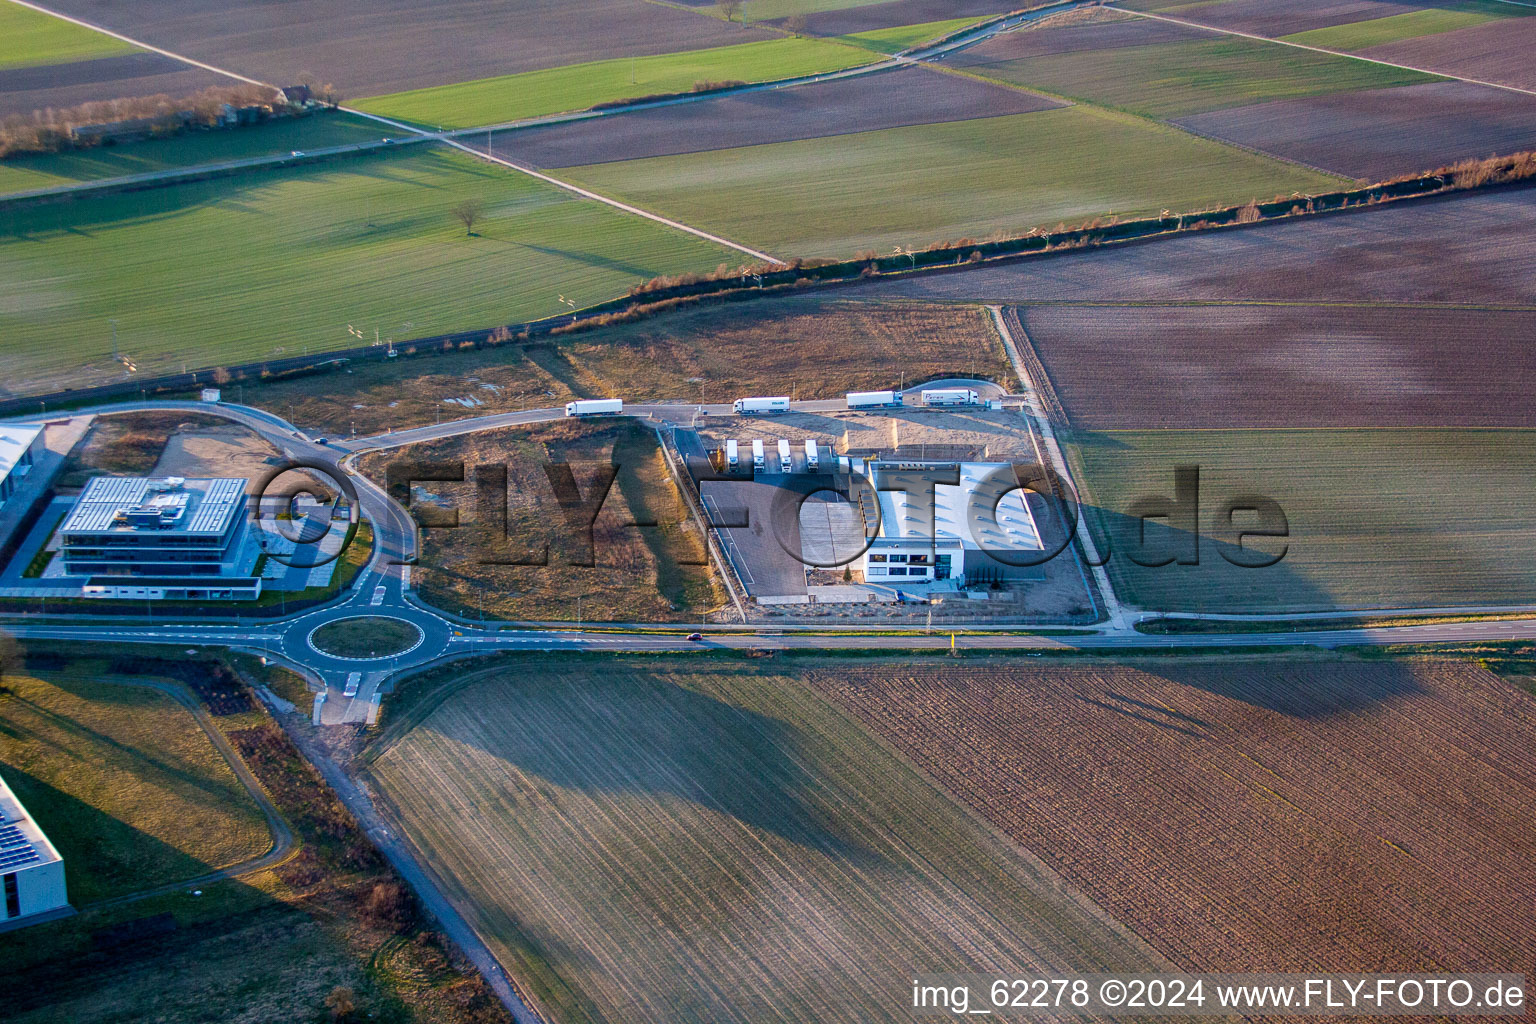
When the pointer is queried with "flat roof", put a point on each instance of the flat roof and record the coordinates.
(984, 511)
(15, 441)
(22, 843)
(197, 508)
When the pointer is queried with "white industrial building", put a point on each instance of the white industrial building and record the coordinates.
(31, 870)
(952, 535)
(19, 443)
(167, 538)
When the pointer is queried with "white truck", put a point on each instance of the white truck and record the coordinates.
(759, 463)
(873, 399)
(732, 457)
(786, 460)
(751, 406)
(595, 407)
(939, 397)
(812, 456)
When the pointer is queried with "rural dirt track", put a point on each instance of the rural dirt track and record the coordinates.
(712, 847)
(1337, 815)
(1471, 249)
(1376, 133)
(886, 99)
(1229, 366)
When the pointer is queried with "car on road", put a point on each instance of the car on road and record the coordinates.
(696, 637)
(297, 152)
(378, 596)
(353, 678)
(322, 440)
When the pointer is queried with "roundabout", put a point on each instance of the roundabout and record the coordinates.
(366, 638)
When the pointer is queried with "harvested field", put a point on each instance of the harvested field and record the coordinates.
(846, 19)
(1098, 28)
(1287, 366)
(710, 844)
(367, 47)
(1328, 814)
(814, 347)
(532, 93)
(887, 99)
(25, 89)
(1360, 35)
(1476, 248)
(642, 559)
(1499, 51)
(917, 185)
(1391, 518)
(1267, 18)
(368, 242)
(1174, 79)
(1379, 133)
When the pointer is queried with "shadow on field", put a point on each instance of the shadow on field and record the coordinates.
(104, 857)
(616, 733)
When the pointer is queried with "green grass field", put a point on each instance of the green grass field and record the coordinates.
(125, 784)
(1388, 518)
(709, 844)
(902, 37)
(1358, 35)
(578, 86)
(274, 262)
(278, 137)
(1169, 80)
(917, 185)
(33, 38)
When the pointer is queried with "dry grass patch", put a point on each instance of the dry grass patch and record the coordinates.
(645, 560)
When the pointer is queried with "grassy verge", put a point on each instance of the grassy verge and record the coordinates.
(370, 241)
(33, 38)
(912, 186)
(365, 637)
(1377, 518)
(273, 945)
(579, 86)
(125, 784)
(904, 37)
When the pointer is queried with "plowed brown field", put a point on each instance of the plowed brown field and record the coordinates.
(1325, 815)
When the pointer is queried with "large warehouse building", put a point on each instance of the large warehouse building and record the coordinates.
(19, 443)
(170, 538)
(31, 870)
(976, 529)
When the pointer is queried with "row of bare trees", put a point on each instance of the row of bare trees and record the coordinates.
(54, 128)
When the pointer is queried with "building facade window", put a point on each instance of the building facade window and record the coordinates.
(12, 896)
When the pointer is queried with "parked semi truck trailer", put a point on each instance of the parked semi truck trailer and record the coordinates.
(873, 399)
(595, 407)
(950, 397)
(749, 406)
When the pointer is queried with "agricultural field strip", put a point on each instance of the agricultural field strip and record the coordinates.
(1319, 49)
(641, 849)
(576, 189)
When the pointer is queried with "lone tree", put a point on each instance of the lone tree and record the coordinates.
(796, 24)
(467, 213)
(729, 8)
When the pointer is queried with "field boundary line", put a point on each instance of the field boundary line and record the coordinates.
(584, 193)
(1037, 413)
(1319, 49)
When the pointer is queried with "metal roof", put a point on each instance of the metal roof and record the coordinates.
(984, 511)
(15, 440)
(22, 843)
(208, 506)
